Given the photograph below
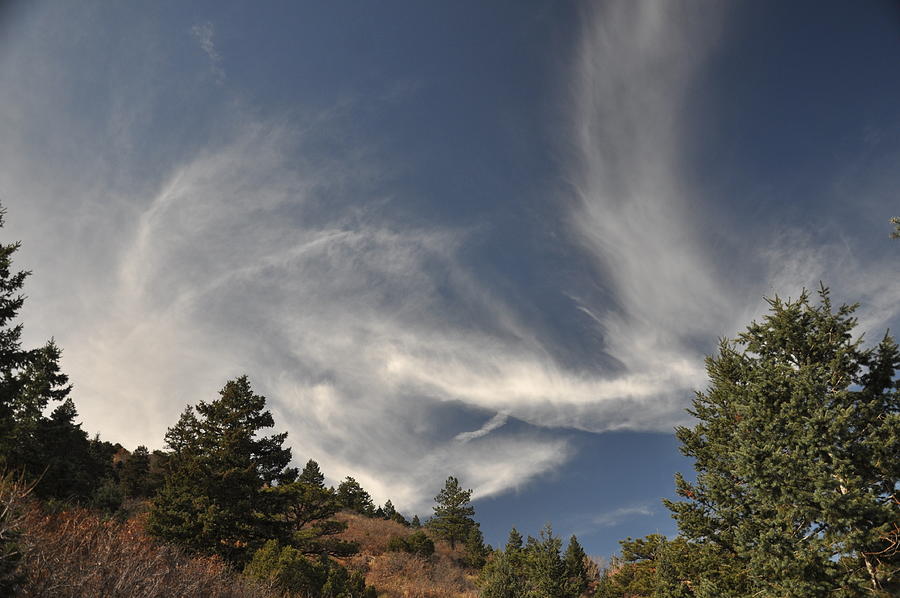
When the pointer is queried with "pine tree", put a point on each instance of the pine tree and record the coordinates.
(796, 451)
(12, 357)
(353, 497)
(514, 541)
(415, 523)
(545, 570)
(576, 571)
(475, 551)
(388, 509)
(311, 474)
(136, 472)
(214, 501)
(453, 514)
(504, 574)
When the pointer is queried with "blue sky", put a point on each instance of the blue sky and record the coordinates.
(494, 240)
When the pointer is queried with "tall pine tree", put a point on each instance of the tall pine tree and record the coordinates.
(453, 514)
(796, 450)
(213, 500)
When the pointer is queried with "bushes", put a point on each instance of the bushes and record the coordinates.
(401, 574)
(289, 570)
(75, 553)
(13, 492)
(416, 543)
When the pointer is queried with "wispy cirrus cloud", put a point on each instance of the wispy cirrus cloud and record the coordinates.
(617, 516)
(273, 247)
(204, 34)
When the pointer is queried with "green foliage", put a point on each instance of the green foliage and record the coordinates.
(291, 571)
(351, 496)
(503, 576)
(12, 357)
(475, 553)
(453, 514)
(545, 570)
(309, 509)
(536, 570)
(796, 455)
(415, 523)
(419, 543)
(312, 475)
(514, 541)
(213, 500)
(52, 451)
(574, 562)
(135, 474)
(108, 496)
(416, 543)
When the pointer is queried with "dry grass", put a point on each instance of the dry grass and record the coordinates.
(372, 535)
(403, 575)
(400, 574)
(75, 553)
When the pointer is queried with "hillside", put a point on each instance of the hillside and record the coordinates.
(400, 574)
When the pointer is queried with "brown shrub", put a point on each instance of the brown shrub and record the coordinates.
(371, 534)
(75, 553)
(400, 574)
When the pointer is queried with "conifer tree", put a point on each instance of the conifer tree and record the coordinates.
(353, 497)
(576, 571)
(388, 509)
(415, 523)
(312, 475)
(475, 550)
(453, 514)
(136, 472)
(545, 569)
(504, 574)
(12, 357)
(213, 500)
(796, 451)
(514, 541)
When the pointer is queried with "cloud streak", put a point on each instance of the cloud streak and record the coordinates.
(263, 249)
(203, 33)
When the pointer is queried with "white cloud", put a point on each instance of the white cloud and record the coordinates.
(252, 253)
(204, 33)
(498, 421)
(617, 516)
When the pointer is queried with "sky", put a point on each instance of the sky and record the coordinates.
(493, 240)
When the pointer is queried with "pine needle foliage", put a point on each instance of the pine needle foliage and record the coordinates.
(796, 450)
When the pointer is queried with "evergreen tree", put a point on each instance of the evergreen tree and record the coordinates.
(415, 523)
(545, 571)
(309, 509)
(796, 451)
(576, 570)
(52, 451)
(12, 357)
(136, 473)
(514, 541)
(504, 574)
(214, 501)
(351, 496)
(475, 552)
(312, 475)
(388, 509)
(291, 571)
(71, 468)
(453, 514)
